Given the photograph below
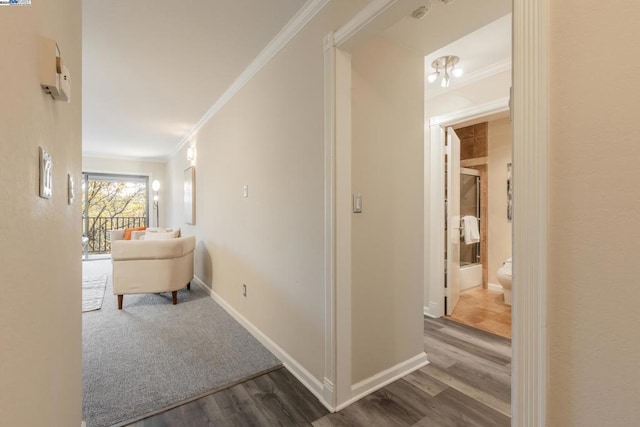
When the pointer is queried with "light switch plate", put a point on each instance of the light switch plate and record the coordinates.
(71, 191)
(46, 174)
(357, 203)
(245, 191)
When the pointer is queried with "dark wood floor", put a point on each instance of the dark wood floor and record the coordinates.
(467, 383)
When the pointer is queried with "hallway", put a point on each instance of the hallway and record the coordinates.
(467, 383)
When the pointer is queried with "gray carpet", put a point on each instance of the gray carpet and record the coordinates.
(153, 355)
(93, 292)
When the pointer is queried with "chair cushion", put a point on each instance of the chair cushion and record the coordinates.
(161, 236)
(127, 231)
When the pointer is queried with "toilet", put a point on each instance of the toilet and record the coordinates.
(504, 278)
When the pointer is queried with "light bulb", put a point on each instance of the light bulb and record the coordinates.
(433, 76)
(155, 185)
(457, 72)
(445, 81)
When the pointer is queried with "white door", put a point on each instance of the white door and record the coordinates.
(453, 220)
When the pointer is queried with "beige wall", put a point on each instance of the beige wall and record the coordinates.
(499, 240)
(387, 237)
(269, 137)
(40, 262)
(154, 170)
(593, 292)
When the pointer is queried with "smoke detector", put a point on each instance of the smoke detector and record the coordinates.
(421, 12)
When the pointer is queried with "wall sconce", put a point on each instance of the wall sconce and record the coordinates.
(191, 153)
(155, 185)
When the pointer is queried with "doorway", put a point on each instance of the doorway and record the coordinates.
(530, 120)
(476, 274)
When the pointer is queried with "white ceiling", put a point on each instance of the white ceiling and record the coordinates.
(152, 68)
(445, 23)
(479, 32)
(484, 52)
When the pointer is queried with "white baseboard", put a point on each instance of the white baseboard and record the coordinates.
(305, 377)
(431, 310)
(494, 287)
(381, 379)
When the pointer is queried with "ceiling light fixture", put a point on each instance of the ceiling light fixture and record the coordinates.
(422, 11)
(445, 66)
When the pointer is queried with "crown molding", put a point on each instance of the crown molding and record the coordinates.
(364, 17)
(297, 23)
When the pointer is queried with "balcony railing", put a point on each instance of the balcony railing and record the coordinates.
(99, 231)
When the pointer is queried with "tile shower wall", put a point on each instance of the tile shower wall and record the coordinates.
(474, 141)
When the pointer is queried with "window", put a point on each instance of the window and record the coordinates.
(112, 202)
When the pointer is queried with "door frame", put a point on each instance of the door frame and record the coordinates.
(452, 225)
(530, 147)
(434, 197)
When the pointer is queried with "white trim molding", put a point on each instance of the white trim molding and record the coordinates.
(329, 219)
(305, 377)
(381, 379)
(430, 310)
(299, 20)
(477, 111)
(530, 147)
(342, 162)
(434, 233)
(370, 12)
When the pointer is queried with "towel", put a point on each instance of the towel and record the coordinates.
(471, 233)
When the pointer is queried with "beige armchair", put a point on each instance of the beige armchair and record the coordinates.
(152, 266)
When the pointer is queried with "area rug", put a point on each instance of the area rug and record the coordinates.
(93, 292)
(152, 355)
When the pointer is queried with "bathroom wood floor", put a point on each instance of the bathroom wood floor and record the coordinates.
(484, 309)
(467, 383)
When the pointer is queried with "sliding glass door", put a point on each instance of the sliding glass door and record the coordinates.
(111, 202)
